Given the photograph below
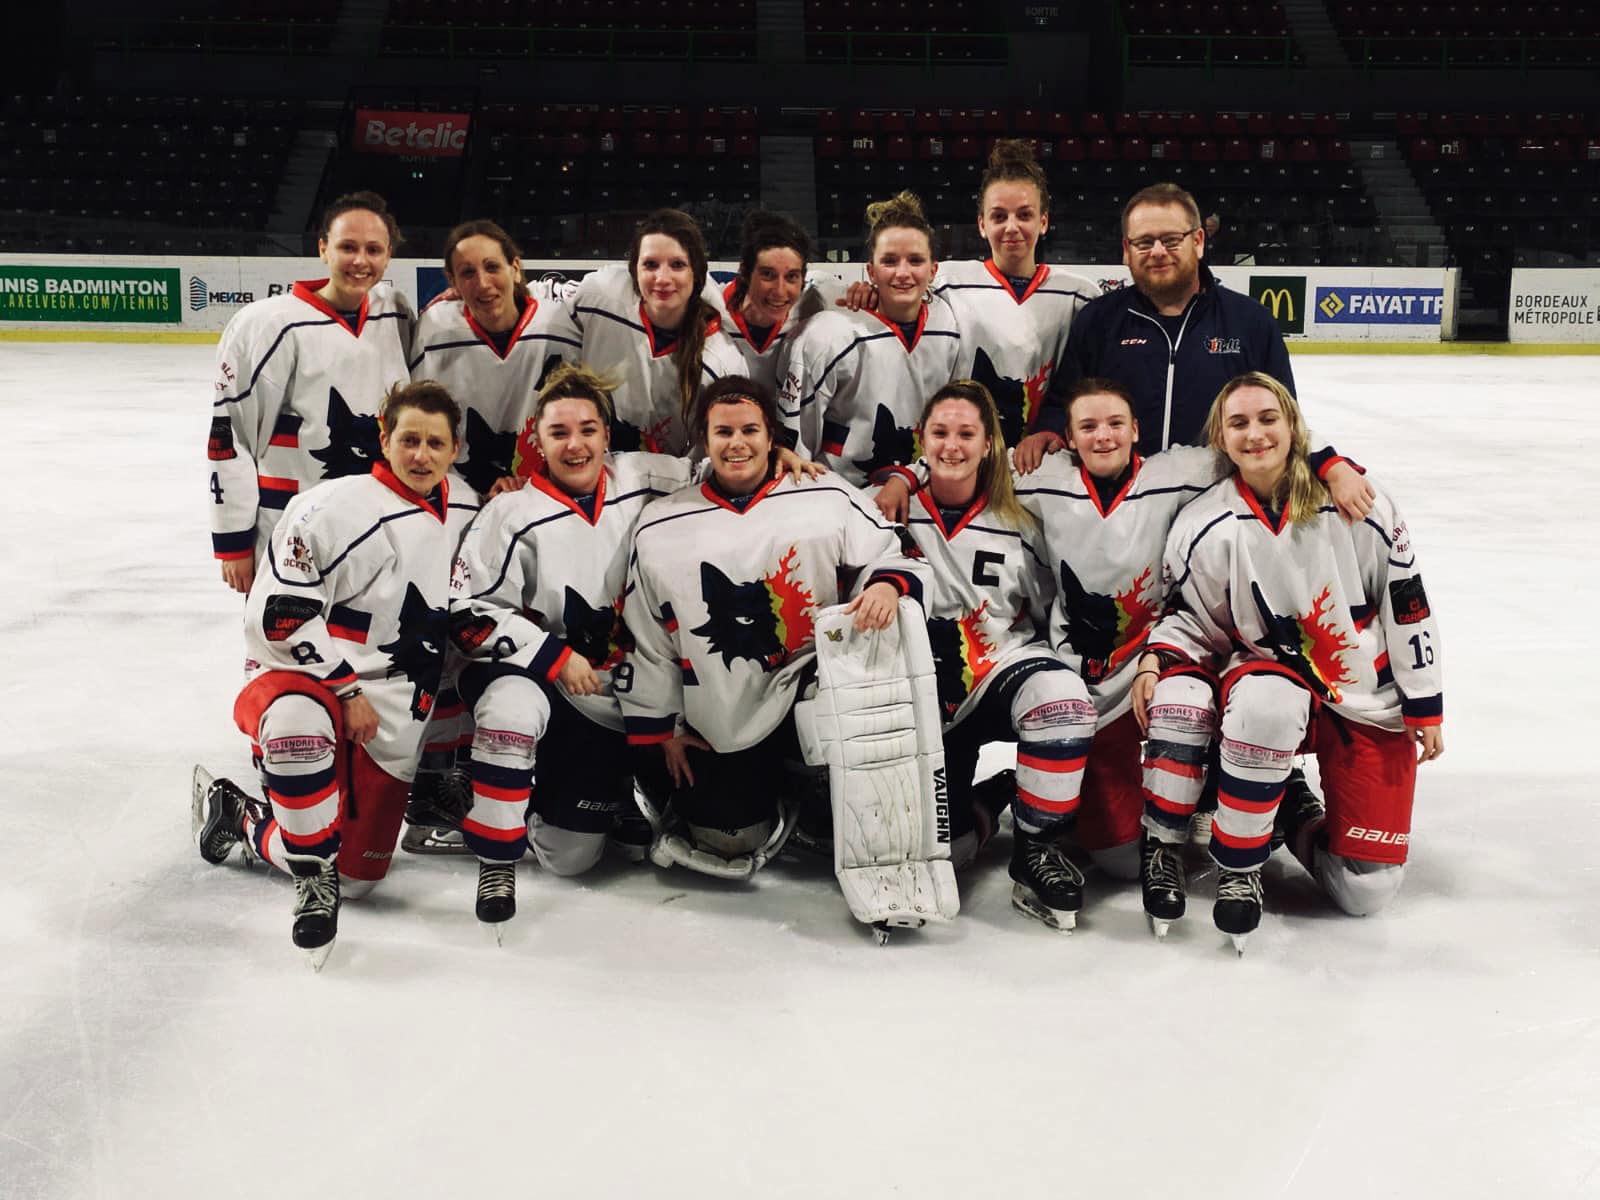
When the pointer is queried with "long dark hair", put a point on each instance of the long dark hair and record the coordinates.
(689, 352)
(488, 229)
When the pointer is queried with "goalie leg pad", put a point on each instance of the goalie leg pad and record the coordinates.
(1054, 720)
(876, 721)
(511, 716)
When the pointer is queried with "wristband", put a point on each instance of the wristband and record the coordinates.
(1147, 671)
(349, 693)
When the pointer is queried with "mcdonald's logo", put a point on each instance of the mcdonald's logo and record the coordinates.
(1284, 296)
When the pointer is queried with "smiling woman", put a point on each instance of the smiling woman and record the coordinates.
(344, 656)
(537, 612)
(726, 580)
(299, 380)
(648, 325)
(493, 348)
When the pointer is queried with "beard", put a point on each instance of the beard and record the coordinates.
(1173, 288)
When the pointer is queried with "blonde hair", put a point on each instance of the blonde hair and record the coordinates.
(1300, 493)
(900, 211)
(994, 475)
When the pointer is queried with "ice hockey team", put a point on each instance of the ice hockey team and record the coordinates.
(706, 574)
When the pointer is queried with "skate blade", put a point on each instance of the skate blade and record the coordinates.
(1238, 940)
(883, 930)
(1062, 920)
(202, 781)
(1159, 927)
(319, 956)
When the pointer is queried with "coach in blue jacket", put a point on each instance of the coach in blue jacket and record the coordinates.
(1173, 338)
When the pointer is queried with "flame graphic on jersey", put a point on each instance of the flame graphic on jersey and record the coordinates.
(1135, 616)
(1324, 644)
(791, 604)
(977, 651)
(1033, 393)
(526, 459)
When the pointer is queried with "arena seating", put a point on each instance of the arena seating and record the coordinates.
(249, 26)
(1283, 184)
(912, 31)
(546, 29)
(120, 171)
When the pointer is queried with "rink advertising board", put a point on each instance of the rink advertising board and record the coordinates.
(198, 295)
(96, 294)
(1555, 304)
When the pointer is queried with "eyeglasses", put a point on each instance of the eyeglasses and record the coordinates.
(1171, 241)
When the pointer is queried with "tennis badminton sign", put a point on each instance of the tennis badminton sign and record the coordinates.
(101, 295)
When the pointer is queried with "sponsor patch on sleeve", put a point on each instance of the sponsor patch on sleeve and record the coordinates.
(285, 614)
(1409, 601)
(219, 446)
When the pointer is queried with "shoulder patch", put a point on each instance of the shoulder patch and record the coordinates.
(1409, 601)
(284, 615)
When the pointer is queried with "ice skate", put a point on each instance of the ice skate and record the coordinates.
(1237, 911)
(316, 905)
(438, 804)
(497, 894)
(1048, 887)
(216, 815)
(883, 930)
(630, 837)
(1161, 881)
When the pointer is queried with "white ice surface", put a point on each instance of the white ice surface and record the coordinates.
(651, 1034)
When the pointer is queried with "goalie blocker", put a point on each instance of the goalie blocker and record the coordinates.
(874, 723)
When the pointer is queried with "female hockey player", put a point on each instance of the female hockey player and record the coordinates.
(1013, 310)
(1103, 516)
(767, 300)
(725, 580)
(1321, 633)
(299, 380)
(856, 381)
(986, 598)
(344, 631)
(537, 612)
(648, 326)
(492, 348)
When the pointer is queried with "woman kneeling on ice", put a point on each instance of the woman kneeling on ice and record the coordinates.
(1322, 634)
(344, 631)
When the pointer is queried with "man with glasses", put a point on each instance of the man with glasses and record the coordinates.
(1173, 338)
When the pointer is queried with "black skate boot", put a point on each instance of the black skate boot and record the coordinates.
(316, 904)
(631, 836)
(436, 808)
(1161, 880)
(216, 815)
(1301, 815)
(1237, 911)
(1048, 886)
(497, 891)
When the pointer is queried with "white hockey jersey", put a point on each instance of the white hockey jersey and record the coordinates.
(297, 399)
(765, 358)
(987, 597)
(1011, 343)
(538, 579)
(496, 393)
(354, 588)
(1341, 608)
(721, 600)
(619, 341)
(1105, 559)
(854, 387)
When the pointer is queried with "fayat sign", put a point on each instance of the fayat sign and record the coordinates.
(414, 134)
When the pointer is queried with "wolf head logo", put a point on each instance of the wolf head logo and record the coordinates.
(596, 633)
(1308, 644)
(766, 620)
(962, 656)
(490, 455)
(352, 441)
(417, 651)
(891, 444)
